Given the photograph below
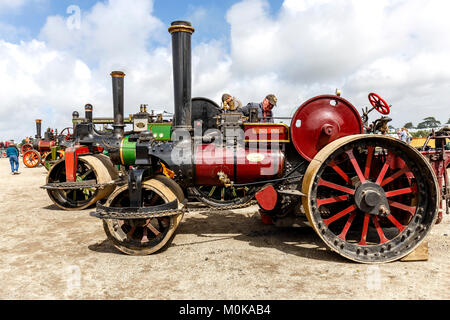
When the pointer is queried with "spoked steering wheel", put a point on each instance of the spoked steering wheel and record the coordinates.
(69, 134)
(379, 104)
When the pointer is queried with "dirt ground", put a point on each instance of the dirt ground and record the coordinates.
(47, 253)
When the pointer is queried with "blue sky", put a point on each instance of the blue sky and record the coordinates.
(296, 49)
(32, 18)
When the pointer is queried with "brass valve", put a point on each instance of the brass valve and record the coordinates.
(224, 179)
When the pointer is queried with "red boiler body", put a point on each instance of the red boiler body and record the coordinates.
(239, 164)
(45, 146)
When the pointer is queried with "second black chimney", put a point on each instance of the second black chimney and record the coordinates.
(117, 86)
(88, 112)
(38, 129)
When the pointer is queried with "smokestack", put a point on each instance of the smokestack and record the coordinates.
(88, 112)
(181, 56)
(117, 85)
(38, 129)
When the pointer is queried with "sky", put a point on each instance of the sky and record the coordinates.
(56, 55)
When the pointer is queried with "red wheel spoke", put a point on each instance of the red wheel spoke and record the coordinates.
(339, 215)
(394, 176)
(341, 172)
(396, 223)
(363, 242)
(380, 232)
(398, 192)
(384, 169)
(144, 235)
(368, 162)
(347, 226)
(335, 186)
(356, 166)
(153, 229)
(321, 202)
(411, 210)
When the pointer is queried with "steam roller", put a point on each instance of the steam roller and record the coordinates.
(92, 178)
(371, 198)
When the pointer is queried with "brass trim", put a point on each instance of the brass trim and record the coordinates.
(181, 28)
(117, 74)
(281, 141)
(121, 151)
(265, 124)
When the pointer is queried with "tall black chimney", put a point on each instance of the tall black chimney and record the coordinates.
(38, 129)
(88, 112)
(117, 86)
(181, 56)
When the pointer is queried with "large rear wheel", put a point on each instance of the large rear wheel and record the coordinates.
(371, 198)
(31, 158)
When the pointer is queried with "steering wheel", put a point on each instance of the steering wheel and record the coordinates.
(68, 135)
(379, 104)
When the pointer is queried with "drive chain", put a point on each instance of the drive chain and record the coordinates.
(166, 213)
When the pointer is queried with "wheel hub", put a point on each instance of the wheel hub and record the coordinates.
(371, 198)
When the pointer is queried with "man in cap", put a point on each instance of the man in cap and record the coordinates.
(230, 103)
(13, 154)
(264, 108)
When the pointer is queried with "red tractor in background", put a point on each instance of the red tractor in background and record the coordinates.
(45, 150)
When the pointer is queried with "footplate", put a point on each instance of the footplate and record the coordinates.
(164, 210)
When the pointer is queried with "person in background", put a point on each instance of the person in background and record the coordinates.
(405, 136)
(408, 136)
(13, 154)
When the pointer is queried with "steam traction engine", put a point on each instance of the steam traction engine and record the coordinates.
(371, 198)
(46, 150)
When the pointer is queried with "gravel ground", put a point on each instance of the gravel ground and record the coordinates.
(48, 253)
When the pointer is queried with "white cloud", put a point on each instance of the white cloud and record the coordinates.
(39, 83)
(395, 47)
(114, 31)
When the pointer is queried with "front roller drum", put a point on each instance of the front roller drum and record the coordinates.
(371, 198)
(97, 170)
(144, 236)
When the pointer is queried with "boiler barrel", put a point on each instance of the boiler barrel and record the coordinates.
(240, 165)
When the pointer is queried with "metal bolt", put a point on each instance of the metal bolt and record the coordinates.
(384, 212)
